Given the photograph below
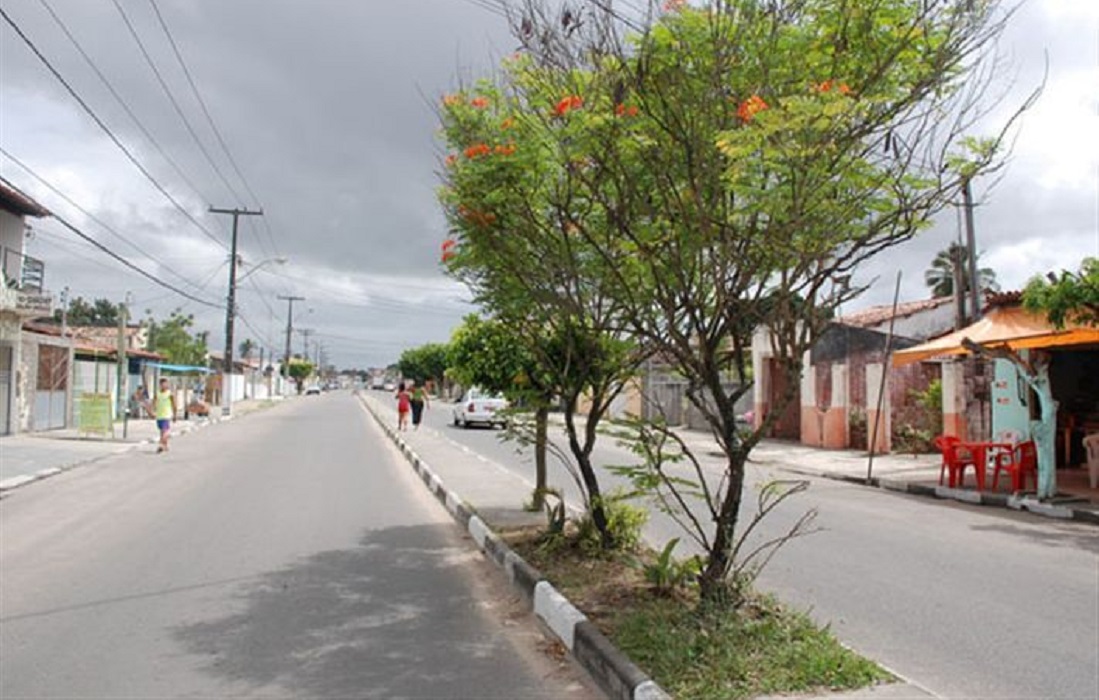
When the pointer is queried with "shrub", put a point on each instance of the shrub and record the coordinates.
(624, 522)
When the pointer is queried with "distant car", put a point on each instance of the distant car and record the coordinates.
(389, 386)
(312, 389)
(477, 406)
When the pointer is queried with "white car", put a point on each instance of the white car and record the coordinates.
(477, 406)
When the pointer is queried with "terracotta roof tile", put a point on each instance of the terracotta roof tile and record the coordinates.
(875, 315)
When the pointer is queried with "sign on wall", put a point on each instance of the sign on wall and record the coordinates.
(95, 414)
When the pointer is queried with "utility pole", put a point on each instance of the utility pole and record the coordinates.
(305, 333)
(956, 251)
(122, 375)
(971, 244)
(289, 330)
(230, 306)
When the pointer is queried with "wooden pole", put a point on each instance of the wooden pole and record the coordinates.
(884, 375)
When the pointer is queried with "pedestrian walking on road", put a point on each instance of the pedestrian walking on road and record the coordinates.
(164, 408)
(404, 405)
(419, 403)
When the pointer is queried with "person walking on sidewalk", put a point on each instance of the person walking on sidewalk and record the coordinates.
(419, 403)
(404, 405)
(164, 408)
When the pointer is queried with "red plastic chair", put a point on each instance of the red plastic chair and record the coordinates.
(1019, 463)
(955, 460)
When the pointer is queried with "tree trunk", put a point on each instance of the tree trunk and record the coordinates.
(541, 429)
(587, 473)
(719, 560)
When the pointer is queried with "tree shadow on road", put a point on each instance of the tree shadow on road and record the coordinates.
(390, 618)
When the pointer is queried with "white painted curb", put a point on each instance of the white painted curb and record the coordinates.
(557, 612)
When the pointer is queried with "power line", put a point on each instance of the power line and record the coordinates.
(213, 127)
(118, 98)
(118, 257)
(26, 168)
(172, 99)
(99, 122)
(202, 102)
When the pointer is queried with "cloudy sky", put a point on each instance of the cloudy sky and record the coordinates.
(327, 110)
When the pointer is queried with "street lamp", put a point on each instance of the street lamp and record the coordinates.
(281, 260)
(230, 318)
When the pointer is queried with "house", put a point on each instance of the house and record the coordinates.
(836, 398)
(33, 369)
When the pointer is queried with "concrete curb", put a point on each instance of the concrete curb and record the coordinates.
(615, 674)
(997, 500)
(24, 479)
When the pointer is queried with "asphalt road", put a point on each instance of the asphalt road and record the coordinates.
(290, 553)
(966, 602)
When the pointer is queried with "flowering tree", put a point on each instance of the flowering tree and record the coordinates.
(515, 206)
(702, 172)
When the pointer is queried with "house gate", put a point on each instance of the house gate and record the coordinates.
(51, 388)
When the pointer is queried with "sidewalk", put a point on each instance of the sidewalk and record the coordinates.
(917, 475)
(28, 457)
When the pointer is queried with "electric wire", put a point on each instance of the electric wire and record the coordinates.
(102, 125)
(45, 183)
(171, 98)
(379, 302)
(76, 230)
(119, 99)
(213, 127)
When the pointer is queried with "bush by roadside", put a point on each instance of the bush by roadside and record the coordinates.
(758, 648)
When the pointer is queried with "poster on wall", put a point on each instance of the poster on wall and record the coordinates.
(95, 414)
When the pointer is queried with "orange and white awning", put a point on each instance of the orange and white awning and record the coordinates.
(1003, 327)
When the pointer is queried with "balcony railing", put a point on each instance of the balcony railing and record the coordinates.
(23, 272)
(23, 280)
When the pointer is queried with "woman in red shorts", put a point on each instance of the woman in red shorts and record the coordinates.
(404, 406)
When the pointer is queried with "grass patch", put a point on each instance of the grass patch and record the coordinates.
(694, 653)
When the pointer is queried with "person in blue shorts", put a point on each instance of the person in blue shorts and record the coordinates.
(164, 408)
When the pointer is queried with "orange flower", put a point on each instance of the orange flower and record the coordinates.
(673, 5)
(451, 100)
(479, 102)
(507, 124)
(447, 255)
(477, 149)
(750, 107)
(449, 243)
(829, 86)
(568, 103)
(451, 160)
(506, 149)
(623, 110)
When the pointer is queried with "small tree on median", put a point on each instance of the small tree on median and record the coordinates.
(514, 209)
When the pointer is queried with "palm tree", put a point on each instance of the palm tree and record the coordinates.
(940, 276)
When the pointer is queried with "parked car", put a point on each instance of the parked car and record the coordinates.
(477, 406)
(312, 389)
